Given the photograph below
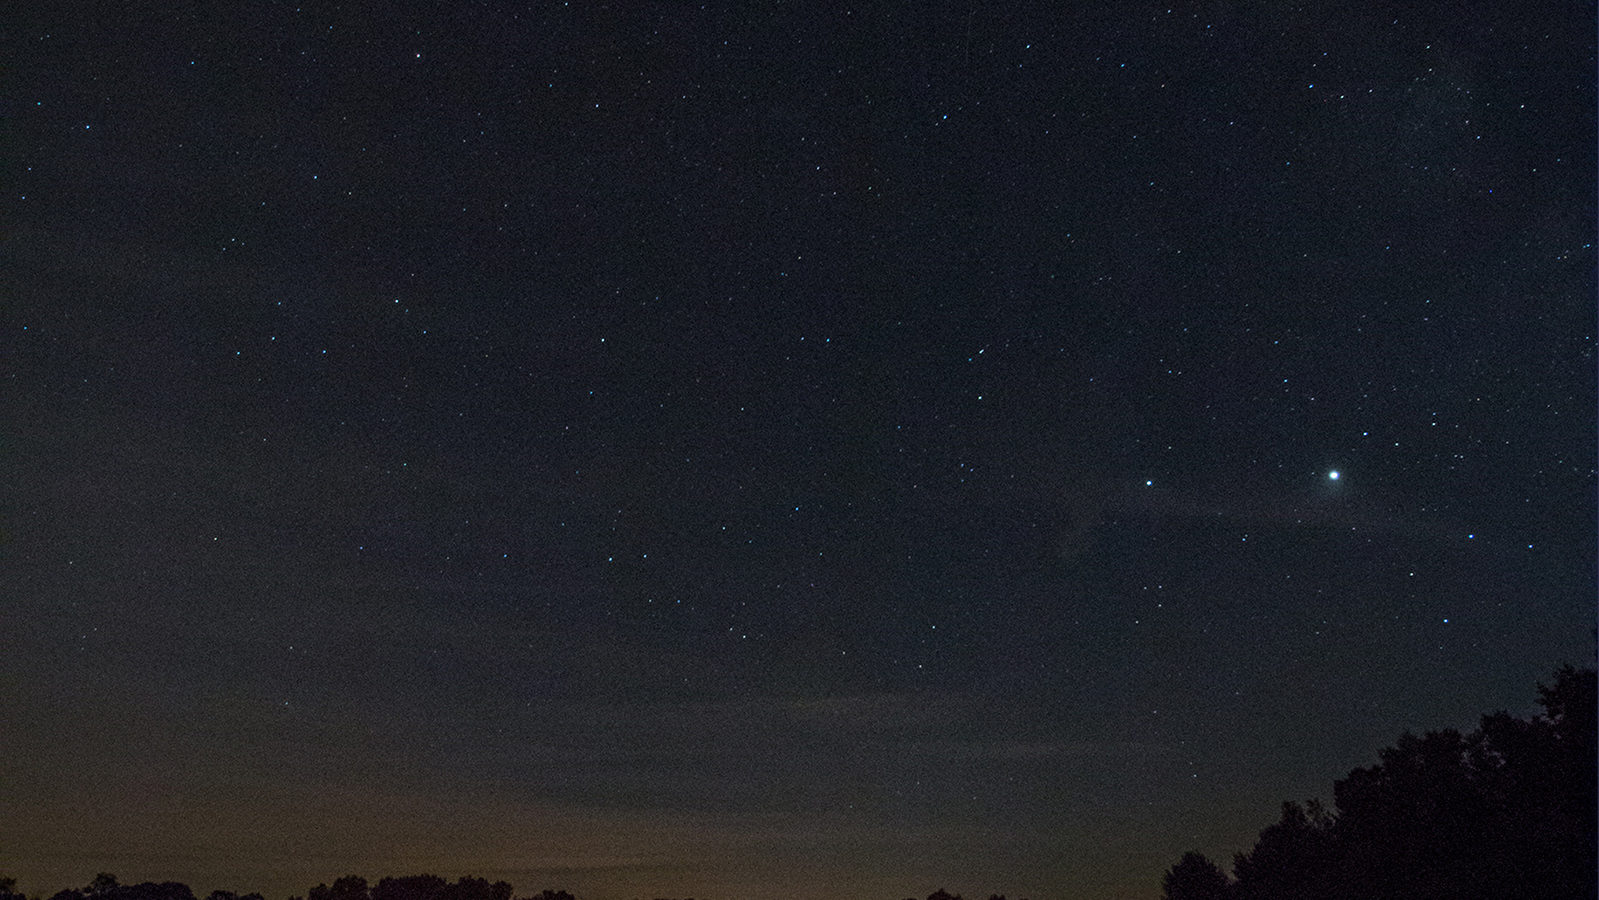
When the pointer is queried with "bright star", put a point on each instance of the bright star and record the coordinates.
(1333, 475)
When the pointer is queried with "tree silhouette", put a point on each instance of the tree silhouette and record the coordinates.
(1417, 823)
(417, 887)
(1195, 877)
(350, 887)
(1294, 858)
(1505, 811)
(105, 887)
(1508, 810)
(421, 887)
(411, 887)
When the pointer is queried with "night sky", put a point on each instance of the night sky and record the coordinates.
(773, 450)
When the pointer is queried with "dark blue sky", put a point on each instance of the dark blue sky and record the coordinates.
(775, 451)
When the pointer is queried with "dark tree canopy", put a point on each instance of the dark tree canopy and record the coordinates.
(350, 887)
(421, 887)
(1195, 877)
(1506, 811)
(105, 887)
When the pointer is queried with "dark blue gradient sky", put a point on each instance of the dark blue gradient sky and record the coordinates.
(777, 451)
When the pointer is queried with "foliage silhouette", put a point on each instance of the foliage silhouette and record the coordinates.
(353, 887)
(1508, 810)
(105, 887)
(1195, 877)
(350, 887)
(942, 894)
(421, 887)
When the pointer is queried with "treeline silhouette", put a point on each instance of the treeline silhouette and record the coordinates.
(942, 894)
(106, 887)
(1507, 811)
(1510, 810)
(351, 887)
(420, 887)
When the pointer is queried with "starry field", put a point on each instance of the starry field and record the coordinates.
(774, 450)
